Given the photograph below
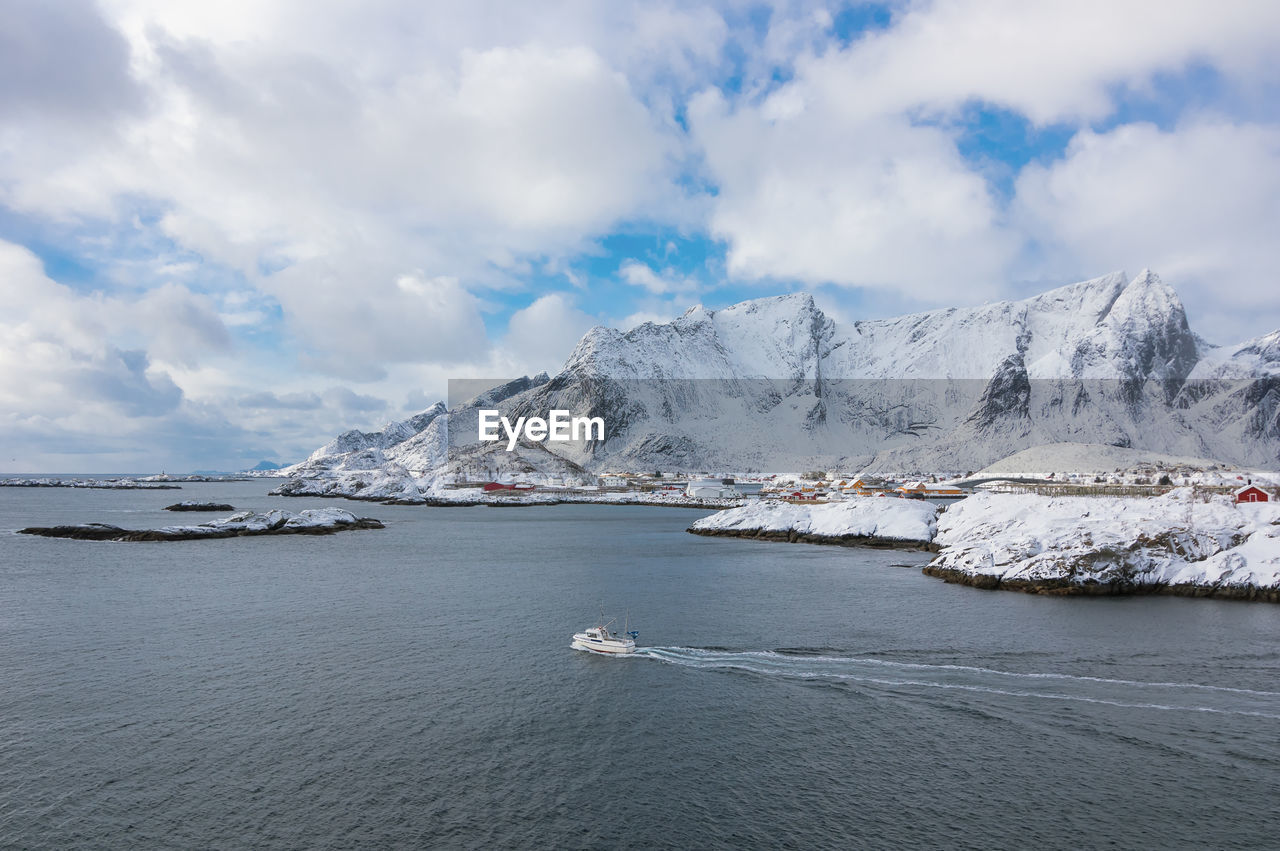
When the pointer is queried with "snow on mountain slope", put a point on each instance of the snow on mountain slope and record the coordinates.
(1144, 336)
(1256, 358)
(972, 342)
(372, 443)
(1099, 361)
(773, 384)
(1086, 458)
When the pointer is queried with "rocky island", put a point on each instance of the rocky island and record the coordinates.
(319, 521)
(190, 505)
(92, 484)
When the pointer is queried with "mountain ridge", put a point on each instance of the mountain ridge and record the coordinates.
(774, 383)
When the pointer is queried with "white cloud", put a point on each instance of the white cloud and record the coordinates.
(541, 336)
(1197, 203)
(63, 367)
(358, 322)
(849, 173)
(640, 317)
(349, 401)
(182, 326)
(266, 150)
(668, 282)
(61, 62)
(1052, 60)
(65, 353)
(345, 187)
(101, 381)
(807, 194)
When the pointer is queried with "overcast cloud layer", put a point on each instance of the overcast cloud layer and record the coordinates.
(230, 230)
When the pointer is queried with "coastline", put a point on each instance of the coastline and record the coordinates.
(792, 536)
(1179, 544)
(523, 501)
(1069, 588)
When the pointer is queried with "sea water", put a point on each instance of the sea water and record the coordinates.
(414, 687)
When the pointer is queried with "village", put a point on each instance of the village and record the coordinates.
(818, 487)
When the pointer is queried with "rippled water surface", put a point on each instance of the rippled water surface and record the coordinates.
(414, 687)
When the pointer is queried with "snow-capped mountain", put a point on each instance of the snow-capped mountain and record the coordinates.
(367, 447)
(775, 384)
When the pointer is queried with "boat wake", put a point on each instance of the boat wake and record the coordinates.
(823, 665)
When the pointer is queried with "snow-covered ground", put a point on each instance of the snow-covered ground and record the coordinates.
(1120, 465)
(1077, 543)
(868, 517)
(1084, 458)
(1179, 542)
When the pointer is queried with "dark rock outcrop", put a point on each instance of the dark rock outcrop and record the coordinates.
(1069, 588)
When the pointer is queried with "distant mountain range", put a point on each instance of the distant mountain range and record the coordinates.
(775, 384)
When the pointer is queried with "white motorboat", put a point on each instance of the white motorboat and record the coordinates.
(598, 639)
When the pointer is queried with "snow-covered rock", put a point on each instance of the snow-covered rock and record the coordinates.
(1178, 543)
(1175, 542)
(318, 521)
(865, 520)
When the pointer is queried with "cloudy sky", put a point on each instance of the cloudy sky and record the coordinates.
(228, 231)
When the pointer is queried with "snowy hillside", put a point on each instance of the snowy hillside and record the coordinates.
(1096, 459)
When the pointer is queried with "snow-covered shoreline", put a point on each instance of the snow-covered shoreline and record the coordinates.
(403, 491)
(90, 484)
(1179, 543)
(859, 522)
(1172, 544)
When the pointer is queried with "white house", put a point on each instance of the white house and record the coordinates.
(711, 488)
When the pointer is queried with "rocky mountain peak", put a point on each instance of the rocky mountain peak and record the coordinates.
(958, 386)
(1144, 336)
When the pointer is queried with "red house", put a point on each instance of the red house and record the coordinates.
(1252, 493)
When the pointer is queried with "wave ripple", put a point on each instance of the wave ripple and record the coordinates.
(803, 664)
